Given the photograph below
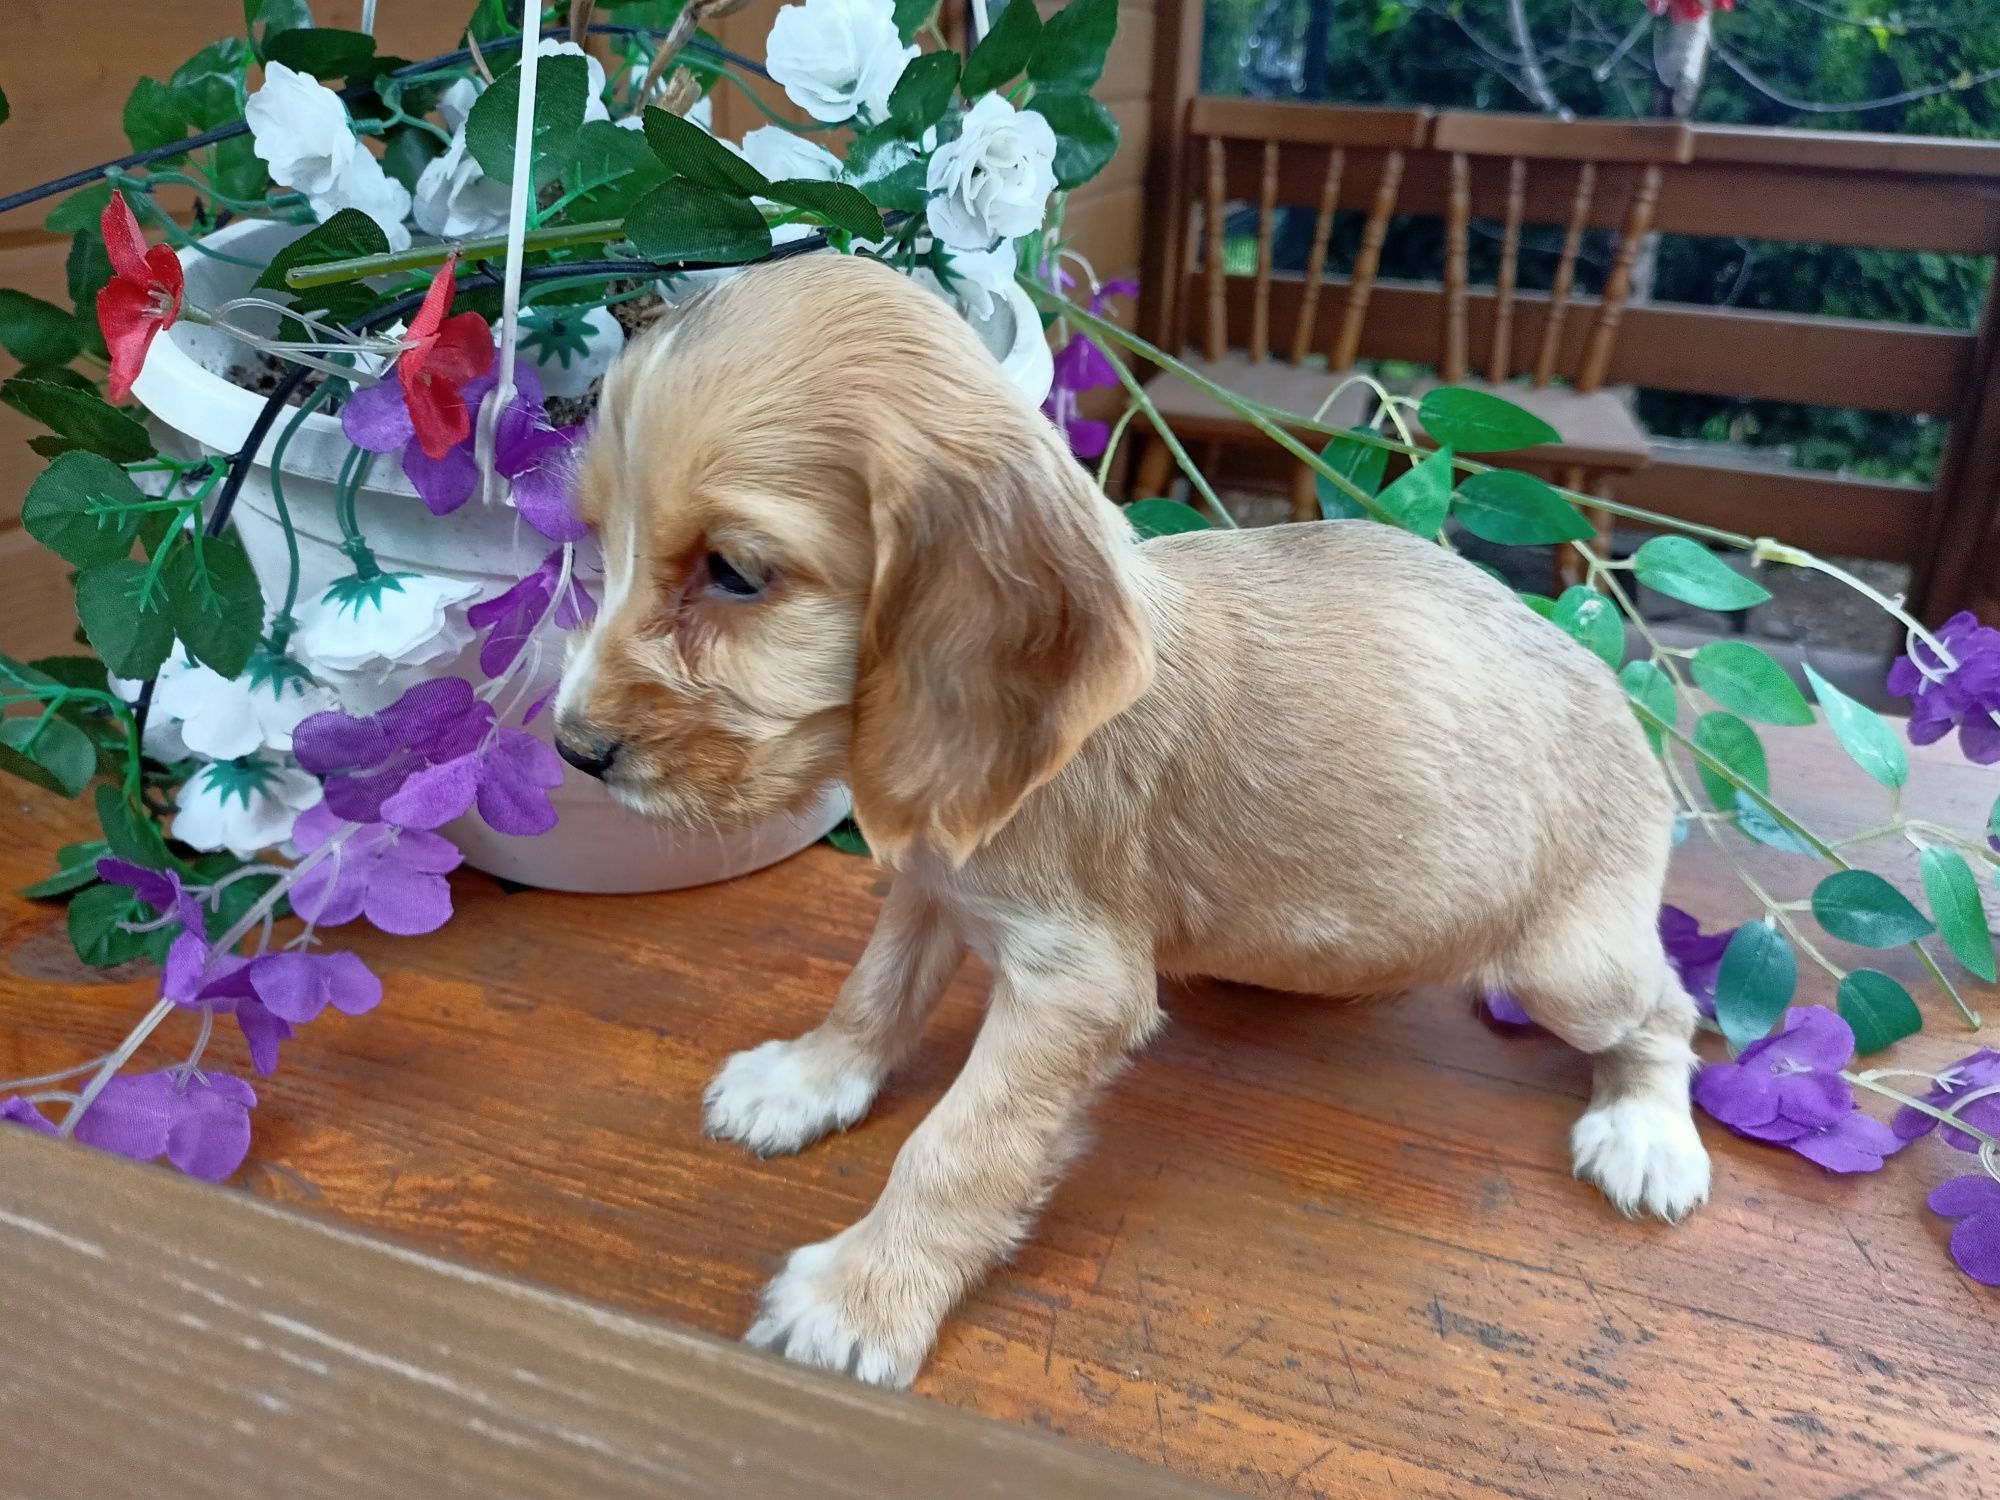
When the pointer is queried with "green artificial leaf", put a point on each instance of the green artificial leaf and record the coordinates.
(1594, 622)
(1541, 604)
(1755, 983)
(1003, 51)
(97, 918)
(323, 51)
(130, 833)
(153, 115)
(59, 748)
(609, 170)
(1735, 745)
(923, 92)
(27, 768)
(132, 642)
(1877, 1009)
(65, 510)
(686, 150)
(1953, 892)
(82, 418)
(6, 109)
(275, 16)
(76, 866)
(1361, 464)
(846, 837)
(904, 188)
(348, 235)
(1687, 571)
(209, 86)
(236, 170)
(562, 85)
(1475, 422)
(1513, 509)
(37, 332)
(1069, 55)
(1744, 679)
(1647, 685)
(1419, 499)
(838, 203)
(1757, 825)
(88, 272)
(1086, 135)
(682, 220)
(1152, 518)
(216, 610)
(1860, 907)
(81, 212)
(1864, 734)
(406, 151)
(72, 671)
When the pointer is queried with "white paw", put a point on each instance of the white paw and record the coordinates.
(830, 1308)
(1645, 1154)
(783, 1096)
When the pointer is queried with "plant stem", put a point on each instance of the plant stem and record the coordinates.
(20, 1085)
(423, 257)
(1868, 1081)
(122, 1054)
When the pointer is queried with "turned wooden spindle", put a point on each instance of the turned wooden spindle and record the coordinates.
(1604, 327)
(1559, 293)
(1500, 365)
(1215, 341)
(1267, 228)
(1367, 262)
(1329, 199)
(1458, 221)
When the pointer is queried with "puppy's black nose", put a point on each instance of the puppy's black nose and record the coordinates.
(593, 758)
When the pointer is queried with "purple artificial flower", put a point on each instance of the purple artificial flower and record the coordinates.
(1695, 955)
(1975, 1239)
(1501, 1008)
(1787, 1089)
(1965, 697)
(296, 987)
(159, 889)
(427, 758)
(535, 456)
(1081, 366)
(1979, 1071)
(194, 976)
(199, 1121)
(21, 1112)
(392, 876)
(515, 614)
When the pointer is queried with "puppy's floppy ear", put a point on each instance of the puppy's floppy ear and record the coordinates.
(1003, 628)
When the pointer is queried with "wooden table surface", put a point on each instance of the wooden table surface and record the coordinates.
(1316, 1250)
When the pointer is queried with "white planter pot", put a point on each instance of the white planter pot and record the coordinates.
(596, 845)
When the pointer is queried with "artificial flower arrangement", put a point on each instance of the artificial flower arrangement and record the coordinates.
(268, 761)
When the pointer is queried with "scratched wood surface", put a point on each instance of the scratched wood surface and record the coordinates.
(1316, 1250)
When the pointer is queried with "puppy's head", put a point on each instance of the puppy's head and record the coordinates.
(839, 544)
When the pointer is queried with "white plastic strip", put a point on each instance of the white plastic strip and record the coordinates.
(510, 297)
(368, 17)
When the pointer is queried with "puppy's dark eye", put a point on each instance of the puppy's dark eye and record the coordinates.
(725, 577)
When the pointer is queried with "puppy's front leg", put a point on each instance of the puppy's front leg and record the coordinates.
(785, 1095)
(1066, 1008)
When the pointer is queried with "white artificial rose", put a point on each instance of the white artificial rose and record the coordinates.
(837, 58)
(456, 200)
(407, 620)
(163, 734)
(224, 718)
(593, 101)
(364, 185)
(455, 104)
(299, 129)
(244, 806)
(994, 181)
(981, 276)
(779, 154)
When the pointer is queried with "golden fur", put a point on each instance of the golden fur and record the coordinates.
(1333, 759)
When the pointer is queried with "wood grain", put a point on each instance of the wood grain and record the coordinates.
(355, 1368)
(1316, 1250)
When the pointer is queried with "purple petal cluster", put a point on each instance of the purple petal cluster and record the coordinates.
(510, 619)
(392, 876)
(1081, 366)
(199, 1121)
(1964, 697)
(1968, 1075)
(1787, 1089)
(428, 758)
(537, 457)
(1695, 955)
(1975, 1239)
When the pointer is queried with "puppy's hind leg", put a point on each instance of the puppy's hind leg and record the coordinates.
(784, 1095)
(1606, 988)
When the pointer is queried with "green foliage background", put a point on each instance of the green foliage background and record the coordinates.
(1392, 52)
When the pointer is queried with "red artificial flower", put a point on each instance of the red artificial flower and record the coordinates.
(439, 355)
(1688, 10)
(143, 297)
